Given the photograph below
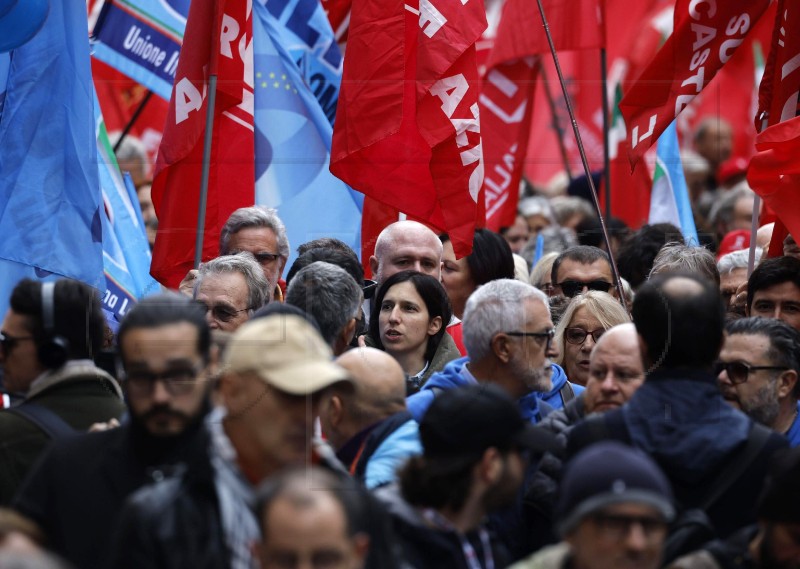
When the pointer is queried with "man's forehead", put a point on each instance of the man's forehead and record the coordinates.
(783, 291)
(755, 345)
(172, 341)
(415, 249)
(571, 269)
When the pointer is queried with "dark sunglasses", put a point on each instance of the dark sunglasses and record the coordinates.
(262, 258)
(577, 336)
(221, 312)
(738, 371)
(571, 288)
(8, 343)
(178, 381)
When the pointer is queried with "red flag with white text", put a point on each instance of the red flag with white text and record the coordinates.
(218, 38)
(705, 36)
(407, 132)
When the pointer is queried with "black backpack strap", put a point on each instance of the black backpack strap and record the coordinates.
(53, 426)
(758, 437)
(567, 393)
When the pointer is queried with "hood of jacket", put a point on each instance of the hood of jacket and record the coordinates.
(448, 378)
(559, 380)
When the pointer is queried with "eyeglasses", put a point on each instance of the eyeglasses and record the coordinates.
(618, 527)
(571, 288)
(177, 381)
(542, 338)
(369, 287)
(577, 336)
(263, 258)
(738, 371)
(223, 313)
(8, 343)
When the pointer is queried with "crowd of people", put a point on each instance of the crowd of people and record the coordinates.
(532, 405)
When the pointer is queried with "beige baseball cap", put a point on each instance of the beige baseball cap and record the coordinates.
(286, 352)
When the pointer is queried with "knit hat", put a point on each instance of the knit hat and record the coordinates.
(610, 473)
(780, 499)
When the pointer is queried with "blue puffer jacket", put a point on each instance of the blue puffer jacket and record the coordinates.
(532, 407)
(553, 397)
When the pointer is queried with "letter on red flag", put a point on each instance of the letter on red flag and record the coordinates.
(218, 37)
(407, 132)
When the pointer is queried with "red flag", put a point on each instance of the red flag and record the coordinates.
(705, 36)
(338, 12)
(407, 132)
(218, 39)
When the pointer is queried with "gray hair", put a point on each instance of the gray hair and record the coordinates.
(693, 163)
(329, 294)
(722, 210)
(257, 285)
(536, 205)
(679, 258)
(736, 260)
(254, 216)
(565, 207)
(493, 308)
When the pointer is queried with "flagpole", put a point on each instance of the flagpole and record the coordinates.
(751, 259)
(556, 123)
(134, 118)
(582, 151)
(201, 210)
(606, 149)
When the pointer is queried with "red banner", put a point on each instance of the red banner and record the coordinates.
(706, 34)
(407, 132)
(218, 39)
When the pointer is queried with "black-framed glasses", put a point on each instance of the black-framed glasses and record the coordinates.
(222, 312)
(577, 336)
(617, 527)
(8, 343)
(571, 288)
(263, 257)
(543, 338)
(738, 371)
(177, 381)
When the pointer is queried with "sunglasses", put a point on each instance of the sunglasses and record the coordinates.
(8, 343)
(571, 288)
(738, 371)
(177, 381)
(223, 313)
(577, 336)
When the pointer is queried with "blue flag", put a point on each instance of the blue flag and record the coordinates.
(50, 217)
(142, 39)
(293, 126)
(669, 200)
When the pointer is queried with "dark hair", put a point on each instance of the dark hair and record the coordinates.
(326, 243)
(491, 257)
(784, 341)
(431, 489)
(590, 232)
(77, 315)
(680, 329)
(165, 309)
(434, 297)
(346, 260)
(771, 272)
(637, 253)
(583, 254)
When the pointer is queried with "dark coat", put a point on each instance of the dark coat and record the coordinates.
(81, 395)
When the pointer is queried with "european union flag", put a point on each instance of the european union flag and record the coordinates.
(293, 142)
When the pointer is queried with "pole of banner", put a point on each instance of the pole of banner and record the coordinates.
(556, 123)
(201, 210)
(134, 118)
(606, 126)
(751, 259)
(582, 151)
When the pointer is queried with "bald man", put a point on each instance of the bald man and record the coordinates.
(406, 245)
(367, 423)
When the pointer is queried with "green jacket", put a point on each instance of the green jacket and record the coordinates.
(78, 392)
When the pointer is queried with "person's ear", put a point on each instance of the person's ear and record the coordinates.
(491, 466)
(786, 383)
(335, 410)
(373, 267)
(501, 347)
(434, 325)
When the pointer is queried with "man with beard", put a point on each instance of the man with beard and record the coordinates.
(757, 373)
(774, 542)
(472, 464)
(77, 490)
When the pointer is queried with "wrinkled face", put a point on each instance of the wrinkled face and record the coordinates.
(780, 548)
(457, 279)
(166, 382)
(518, 234)
(225, 296)
(413, 250)
(622, 536)
(758, 396)
(18, 354)
(730, 282)
(308, 535)
(781, 301)
(577, 351)
(615, 373)
(405, 324)
(263, 244)
(530, 360)
(570, 270)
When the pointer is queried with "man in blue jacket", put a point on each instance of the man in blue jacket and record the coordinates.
(508, 336)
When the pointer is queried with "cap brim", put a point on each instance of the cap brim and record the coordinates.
(305, 378)
(22, 22)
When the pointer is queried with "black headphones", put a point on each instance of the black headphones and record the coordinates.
(53, 352)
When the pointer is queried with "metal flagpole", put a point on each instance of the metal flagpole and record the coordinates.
(606, 126)
(201, 210)
(133, 120)
(751, 259)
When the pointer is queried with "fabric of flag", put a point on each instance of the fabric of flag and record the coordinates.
(574, 24)
(126, 253)
(407, 131)
(142, 39)
(338, 12)
(669, 200)
(218, 39)
(703, 40)
(774, 172)
(293, 136)
(50, 216)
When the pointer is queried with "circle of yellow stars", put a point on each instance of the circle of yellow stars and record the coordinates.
(275, 82)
